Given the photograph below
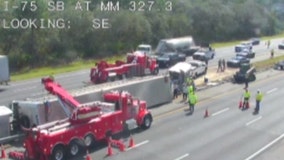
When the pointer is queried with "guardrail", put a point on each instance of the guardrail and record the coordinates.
(11, 138)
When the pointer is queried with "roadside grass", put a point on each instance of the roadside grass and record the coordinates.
(269, 63)
(46, 71)
(87, 64)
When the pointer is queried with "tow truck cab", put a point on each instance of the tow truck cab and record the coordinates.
(131, 107)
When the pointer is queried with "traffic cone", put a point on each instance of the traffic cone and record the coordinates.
(131, 142)
(109, 149)
(121, 146)
(88, 157)
(3, 153)
(206, 113)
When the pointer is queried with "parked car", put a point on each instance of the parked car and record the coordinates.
(281, 45)
(246, 53)
(279, 65)
(237, 61)
(242, 47)
(247, 44)
(198, 68)
(255, 41)
(204, 54)
(171, 58)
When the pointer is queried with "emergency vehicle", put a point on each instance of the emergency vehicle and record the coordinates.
(137, 64)
(86, 125)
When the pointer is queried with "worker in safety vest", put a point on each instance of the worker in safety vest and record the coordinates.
(189, 81)
(246, 99)
(190, 84)
(192, 100)
(258, 99)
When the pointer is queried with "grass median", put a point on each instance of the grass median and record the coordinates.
(46, 71)
(268, 63)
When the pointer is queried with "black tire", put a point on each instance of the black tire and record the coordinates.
(89, 140)
(73, 148)
(147, 121)
(58, 153)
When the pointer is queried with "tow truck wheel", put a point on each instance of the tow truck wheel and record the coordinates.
(74, 148)
(89, 140)
(58, 153)
(147, 121)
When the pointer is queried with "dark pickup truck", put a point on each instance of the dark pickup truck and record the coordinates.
(171, 58)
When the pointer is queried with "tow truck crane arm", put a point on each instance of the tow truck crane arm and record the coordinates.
(56, 89)
(76, 109)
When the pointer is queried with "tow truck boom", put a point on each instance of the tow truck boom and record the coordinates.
(74, 109)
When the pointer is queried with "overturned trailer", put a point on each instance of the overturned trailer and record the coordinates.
(155, 90)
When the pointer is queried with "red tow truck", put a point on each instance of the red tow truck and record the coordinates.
(137, 64)
(86, 125)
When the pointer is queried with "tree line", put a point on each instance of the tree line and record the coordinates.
(207, 21)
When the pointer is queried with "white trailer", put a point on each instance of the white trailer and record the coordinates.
(4, 70)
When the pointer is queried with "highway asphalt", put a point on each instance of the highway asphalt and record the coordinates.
(227, 134)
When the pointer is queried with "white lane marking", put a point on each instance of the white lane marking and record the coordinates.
(265, 147)
(139, 144)
(254, 120)
(25, 89)
(219, 112)
(71, 75)
(182, 157)
(272, 90)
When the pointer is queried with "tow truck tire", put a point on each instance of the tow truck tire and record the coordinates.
(89, 140)
(58, 153)
(73, 148)
(147, 122)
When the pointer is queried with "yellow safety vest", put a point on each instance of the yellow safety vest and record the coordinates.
(190, 89)
(258, 96)
(247, 95)
(192, 98)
